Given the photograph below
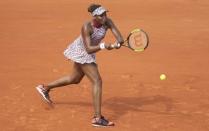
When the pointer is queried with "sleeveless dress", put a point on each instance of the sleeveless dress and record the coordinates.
(76, 51)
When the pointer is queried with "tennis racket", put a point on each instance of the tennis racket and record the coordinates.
(137, 40)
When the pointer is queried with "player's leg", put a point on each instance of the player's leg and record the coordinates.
(75, 77)
(91, 71)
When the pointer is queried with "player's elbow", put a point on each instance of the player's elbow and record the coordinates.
(88, 50)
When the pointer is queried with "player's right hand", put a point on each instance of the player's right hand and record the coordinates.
(109, 46)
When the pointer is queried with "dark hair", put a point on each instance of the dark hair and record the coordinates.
(92, 7)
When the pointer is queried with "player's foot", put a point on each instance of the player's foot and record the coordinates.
(101, 122)
(43, 93)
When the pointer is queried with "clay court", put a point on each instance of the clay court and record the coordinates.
(34, 34)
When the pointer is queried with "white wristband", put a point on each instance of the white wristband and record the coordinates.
(102, 46)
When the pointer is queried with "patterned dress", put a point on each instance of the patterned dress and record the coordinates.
(76, 51)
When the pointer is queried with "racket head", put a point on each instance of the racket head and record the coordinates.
(138, 40)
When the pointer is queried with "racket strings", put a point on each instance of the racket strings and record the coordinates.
(138, 40)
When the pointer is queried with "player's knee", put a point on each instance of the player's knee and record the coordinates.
(98, 81)
(77, 81)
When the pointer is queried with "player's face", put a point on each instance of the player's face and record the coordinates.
(102, 18)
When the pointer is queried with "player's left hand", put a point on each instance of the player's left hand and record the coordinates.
(116, 45)
(109, 46)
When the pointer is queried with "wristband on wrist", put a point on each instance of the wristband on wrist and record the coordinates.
(102, 46)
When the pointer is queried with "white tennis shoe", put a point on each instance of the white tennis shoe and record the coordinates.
(43, 93)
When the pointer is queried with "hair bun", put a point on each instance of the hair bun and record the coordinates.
(92, 7)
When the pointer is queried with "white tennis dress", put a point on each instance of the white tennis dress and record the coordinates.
(76, 51)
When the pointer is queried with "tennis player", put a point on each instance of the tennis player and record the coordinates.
(82, 53)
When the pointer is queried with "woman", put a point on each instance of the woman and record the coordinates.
(82, 53)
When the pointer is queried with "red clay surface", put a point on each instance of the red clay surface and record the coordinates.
(34, 34)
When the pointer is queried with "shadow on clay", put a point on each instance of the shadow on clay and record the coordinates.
(120, 106)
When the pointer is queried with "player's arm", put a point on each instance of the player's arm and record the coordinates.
(86, 32)
(115, 31)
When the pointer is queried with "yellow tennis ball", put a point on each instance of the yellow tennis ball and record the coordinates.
(162, 77)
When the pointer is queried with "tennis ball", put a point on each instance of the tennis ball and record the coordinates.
(162, 77)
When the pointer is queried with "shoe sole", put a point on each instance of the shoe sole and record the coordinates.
(95, 125)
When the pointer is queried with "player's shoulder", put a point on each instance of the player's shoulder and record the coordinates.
(109, 19)
(87, 26)
(109, 22)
